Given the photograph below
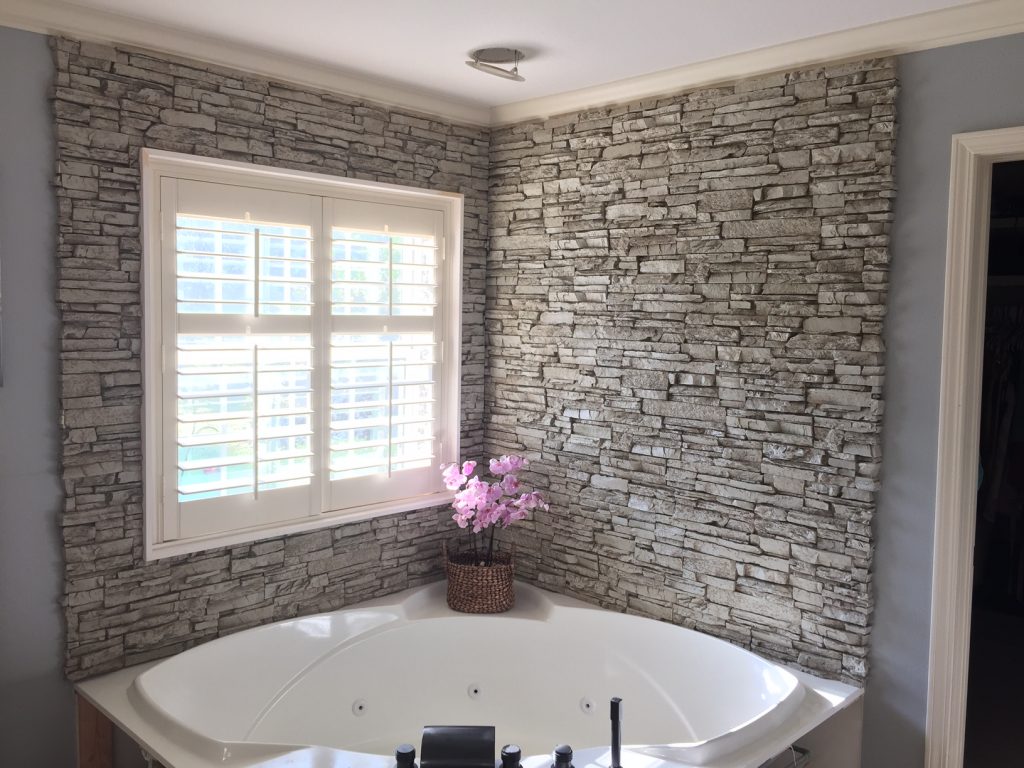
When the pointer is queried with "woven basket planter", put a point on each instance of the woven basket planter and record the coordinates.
(474, 588)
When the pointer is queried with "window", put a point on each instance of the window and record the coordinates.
(301, 350)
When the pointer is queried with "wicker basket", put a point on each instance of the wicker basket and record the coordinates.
(474, 588)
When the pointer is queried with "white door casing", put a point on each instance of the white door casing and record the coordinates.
(963, 332)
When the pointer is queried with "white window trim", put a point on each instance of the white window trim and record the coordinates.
(156, 165)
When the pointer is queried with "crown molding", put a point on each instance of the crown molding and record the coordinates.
(58, 17)
(935, 29)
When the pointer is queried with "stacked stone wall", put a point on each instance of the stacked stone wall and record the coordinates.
(684, 326)
(109, 103)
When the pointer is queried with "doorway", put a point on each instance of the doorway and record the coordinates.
(960, 419)
(996, 665)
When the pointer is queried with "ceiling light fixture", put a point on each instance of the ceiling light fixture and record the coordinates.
(487, 59)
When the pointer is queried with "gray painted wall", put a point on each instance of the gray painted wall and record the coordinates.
(36, 726)
(969, 87)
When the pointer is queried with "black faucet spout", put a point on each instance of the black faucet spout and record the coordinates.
(616, 732)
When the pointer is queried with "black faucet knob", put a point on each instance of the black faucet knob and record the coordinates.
(563, 756)
(511, 754)
(405, 756)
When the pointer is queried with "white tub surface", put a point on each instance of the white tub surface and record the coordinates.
(344, 688)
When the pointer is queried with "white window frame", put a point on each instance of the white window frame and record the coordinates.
(158, 166)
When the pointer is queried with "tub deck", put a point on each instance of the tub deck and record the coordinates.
(110, 700)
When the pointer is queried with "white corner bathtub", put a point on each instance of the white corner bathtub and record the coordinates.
(344, 688)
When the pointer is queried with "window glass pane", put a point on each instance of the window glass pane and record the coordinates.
(413, 348)
(359, 298)
(383, 415)
(414, 240)
(213, 431)
(403, 254)
(218, 260)
(196, 485)
(286, 272)
(285, 407)
(349, 396)
(358, 252)
(209, 265)
(359, 375)
(358, 461)
(359, 272)
(406, 452)
(361, 237)
(286, 269)
(382, 274)
(244, 412)
(412, 411)
(206, 408)
(413, 430)
(411, 374)
(414, 275)
(413, 394)
(345, 416)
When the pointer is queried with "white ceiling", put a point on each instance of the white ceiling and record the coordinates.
(573, 43)
(581, 53)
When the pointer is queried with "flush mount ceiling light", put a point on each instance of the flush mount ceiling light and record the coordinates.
(487, 59)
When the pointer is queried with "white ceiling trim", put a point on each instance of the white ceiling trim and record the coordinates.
(55, 17)
(990, 18)
(960, 24)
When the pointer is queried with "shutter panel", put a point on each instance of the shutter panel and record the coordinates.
(383, 403)
(384, 351)
(244, 373)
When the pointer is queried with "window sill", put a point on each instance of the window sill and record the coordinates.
(159, 550)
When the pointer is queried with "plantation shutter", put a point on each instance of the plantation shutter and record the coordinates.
(303, 339)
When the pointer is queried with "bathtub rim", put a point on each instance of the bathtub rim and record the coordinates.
(114, 695)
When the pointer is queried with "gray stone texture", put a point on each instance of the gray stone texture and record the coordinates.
(109, 103)
(684, 306)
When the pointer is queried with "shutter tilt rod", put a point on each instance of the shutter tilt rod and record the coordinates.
(256, 276)
(256, 420)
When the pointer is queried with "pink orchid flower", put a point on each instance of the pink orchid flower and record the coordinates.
(480, 504)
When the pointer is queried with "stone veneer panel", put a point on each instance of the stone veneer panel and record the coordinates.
(109, 103)
(684, 311)
(684, 314)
